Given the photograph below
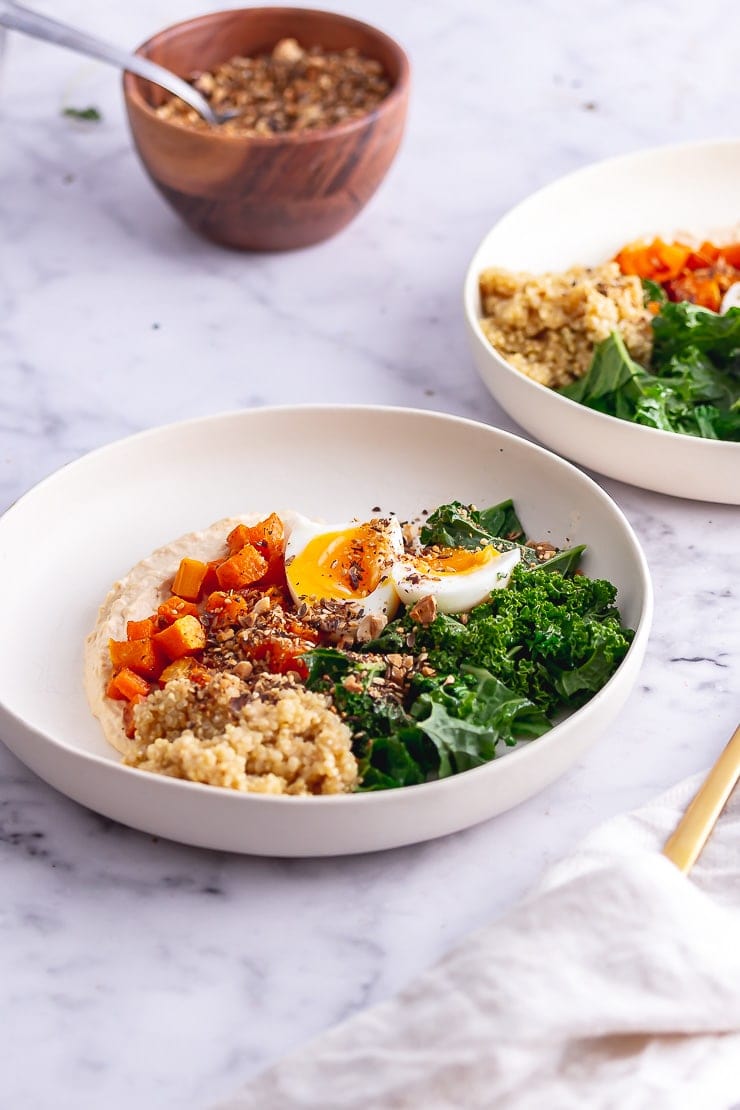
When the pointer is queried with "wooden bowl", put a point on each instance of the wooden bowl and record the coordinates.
(267, 193)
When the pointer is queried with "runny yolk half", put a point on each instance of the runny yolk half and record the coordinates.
(346, 564)
(454, 560)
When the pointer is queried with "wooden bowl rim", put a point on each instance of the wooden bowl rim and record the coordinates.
(399, 91)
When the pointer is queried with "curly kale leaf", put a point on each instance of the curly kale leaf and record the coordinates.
(529, 636)
(498, 674)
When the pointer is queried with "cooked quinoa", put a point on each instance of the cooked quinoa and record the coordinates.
(270, 736)
(547, 325)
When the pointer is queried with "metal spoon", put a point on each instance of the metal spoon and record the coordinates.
(18, 18)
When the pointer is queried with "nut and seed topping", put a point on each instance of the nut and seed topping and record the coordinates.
(291, 89)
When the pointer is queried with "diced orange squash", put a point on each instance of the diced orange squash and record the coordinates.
(216, 601)
(696, 288)
(242, 569)
(704, 256)
(185, 637)
(137, 655)
(731, 254)
(174, 607)
(282, 654)
(659, 261)
(226, 608)
(267, 536)
(237, 538)
(188, 581)
(210, 582)
(185, 667)
(127, 685)
(141, 630)
(128, 715)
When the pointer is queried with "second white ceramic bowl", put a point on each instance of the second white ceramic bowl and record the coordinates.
(585, 218)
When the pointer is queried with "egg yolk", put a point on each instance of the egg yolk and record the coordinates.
(454, 560)
(346, 564)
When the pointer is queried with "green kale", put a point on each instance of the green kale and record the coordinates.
(458, 525)
(497, 674)
(652, 293)
(565, 562)
(683, 326)
(692, 385)
(529, 636)
(391, 750)
(467, 718)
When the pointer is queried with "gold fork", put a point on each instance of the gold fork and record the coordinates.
(685, 844)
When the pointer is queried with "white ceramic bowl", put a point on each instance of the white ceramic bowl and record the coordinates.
(585, 218)
(65, 542)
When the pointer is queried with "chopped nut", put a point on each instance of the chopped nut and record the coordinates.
(543, 550)
(425, 610)
(287, 50)
(370, 627)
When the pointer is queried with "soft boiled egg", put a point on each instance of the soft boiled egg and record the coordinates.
(456, 578)
(344, 562)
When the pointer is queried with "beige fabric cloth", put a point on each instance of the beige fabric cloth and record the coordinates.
(615, 984)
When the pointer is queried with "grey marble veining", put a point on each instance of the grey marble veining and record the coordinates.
(139, 972)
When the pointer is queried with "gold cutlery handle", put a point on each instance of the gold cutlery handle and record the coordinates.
(693, 830)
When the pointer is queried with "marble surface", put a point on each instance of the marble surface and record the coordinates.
(144, 973)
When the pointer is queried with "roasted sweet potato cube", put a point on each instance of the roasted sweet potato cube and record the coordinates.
(267, 536)
(127, 685)
(210, 582)
(174, 607)
(185, 667)
(237, 538)
(226, 608)
(137, 655)
(188, 581)
(730, 253)
(185, 637)
(242, 569)
(141, 630)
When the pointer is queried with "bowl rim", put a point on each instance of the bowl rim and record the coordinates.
(472, 308)
(398, 92)
(520, 755)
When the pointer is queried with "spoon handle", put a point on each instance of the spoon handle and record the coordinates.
(17, 18)
(685, 844)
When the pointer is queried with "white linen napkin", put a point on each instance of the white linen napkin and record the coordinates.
(615, 984)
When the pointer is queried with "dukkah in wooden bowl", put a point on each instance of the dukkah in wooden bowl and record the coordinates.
(283, 189)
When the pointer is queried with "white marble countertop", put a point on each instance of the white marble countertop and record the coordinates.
(144, 973)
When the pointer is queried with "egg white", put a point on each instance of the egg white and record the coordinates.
(456, 591)
(383, 600)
